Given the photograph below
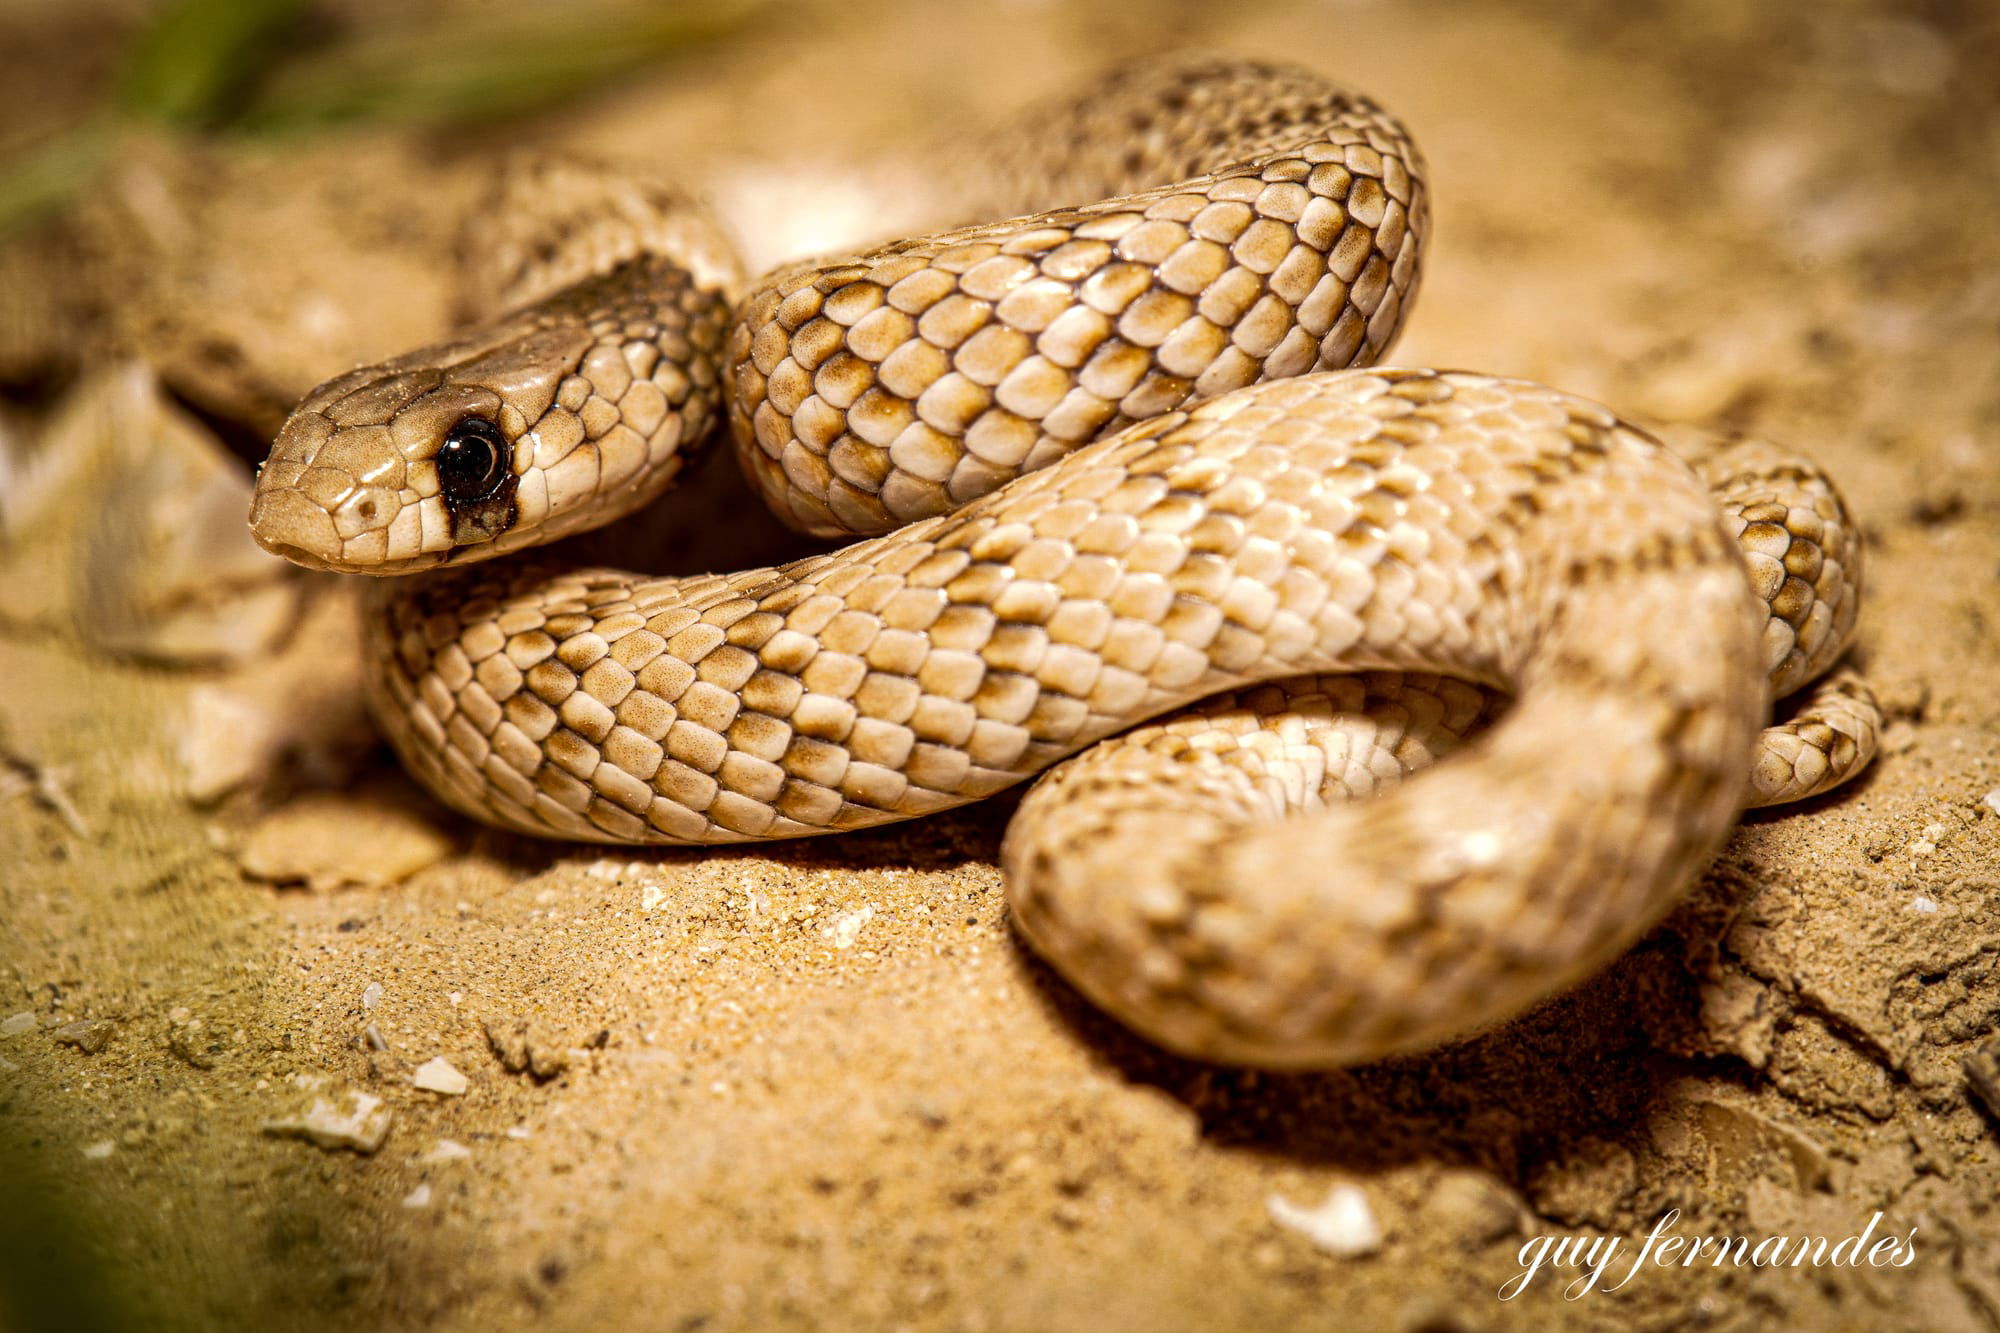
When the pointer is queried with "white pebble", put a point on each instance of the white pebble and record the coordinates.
(1923, 904)
(448, 1150)
(371, 995)
(1344, 1225)
(437, 1075)
(1993, 800)
(224, 741)
(100, 1150)
(15, 1024)
(847, 927)
(354, 1120)
(420, 1197)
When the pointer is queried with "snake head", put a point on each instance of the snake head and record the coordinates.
(454, 452)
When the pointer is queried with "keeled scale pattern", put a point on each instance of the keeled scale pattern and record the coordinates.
(870, 391)
(1293, 527)
(1408, 520)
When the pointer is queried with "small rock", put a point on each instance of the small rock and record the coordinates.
(373, 1036)
(448, 1150)
(1992, 800)
(1474, 1207)
(847, 926)
(523, 1047)
(89, 1035)
(437, 1075)
(371, 995)
(15, 1024)
(100, 1150)
(1344, 1225)
(1744, 1144)
(170, 571)
(189, 1040)
(225, 740)
(420, 1197)
(328, 841)
(347, 1118)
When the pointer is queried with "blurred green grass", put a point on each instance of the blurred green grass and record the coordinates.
(272, 67)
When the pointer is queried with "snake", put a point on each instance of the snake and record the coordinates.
(1131, 503)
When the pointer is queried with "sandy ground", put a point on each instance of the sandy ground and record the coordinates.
(822, 1084)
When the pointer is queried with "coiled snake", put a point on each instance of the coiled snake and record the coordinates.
(1124, 456)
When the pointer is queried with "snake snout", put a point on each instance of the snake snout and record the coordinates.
(287, 523)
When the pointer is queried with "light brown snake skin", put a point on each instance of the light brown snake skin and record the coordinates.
(1267, 519)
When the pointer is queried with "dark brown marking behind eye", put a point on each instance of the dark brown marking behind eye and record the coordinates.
(476, 481)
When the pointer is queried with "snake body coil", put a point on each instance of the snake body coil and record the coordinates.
(1248, 512)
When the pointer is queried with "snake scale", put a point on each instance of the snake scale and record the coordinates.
(1105, 461)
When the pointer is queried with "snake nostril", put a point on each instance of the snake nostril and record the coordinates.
(366, 509)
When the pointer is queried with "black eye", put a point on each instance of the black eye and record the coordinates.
(472, 461)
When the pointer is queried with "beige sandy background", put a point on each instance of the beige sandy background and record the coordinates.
(822, 1084)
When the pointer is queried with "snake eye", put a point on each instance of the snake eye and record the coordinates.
(471, 463)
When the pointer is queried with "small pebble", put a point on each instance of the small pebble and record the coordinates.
(224, 740)
(1992, 800)
(346, 1119)
(1344, 1225)
(448, 1150)
(1474, 1207)
(89, 1035)
(371, 995)
(523, 1046)
(373, 1036)
(1923, 904)
(420, 1197)
(437, 1075)
(847, 927)
(15, 1024)
(187, 1039)
(171, 574)
(100, 1150)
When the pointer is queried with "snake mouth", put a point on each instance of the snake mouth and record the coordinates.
(298, 556)
(308, 560)
(293, 528)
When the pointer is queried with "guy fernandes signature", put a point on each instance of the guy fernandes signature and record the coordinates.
(1593, 1255)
